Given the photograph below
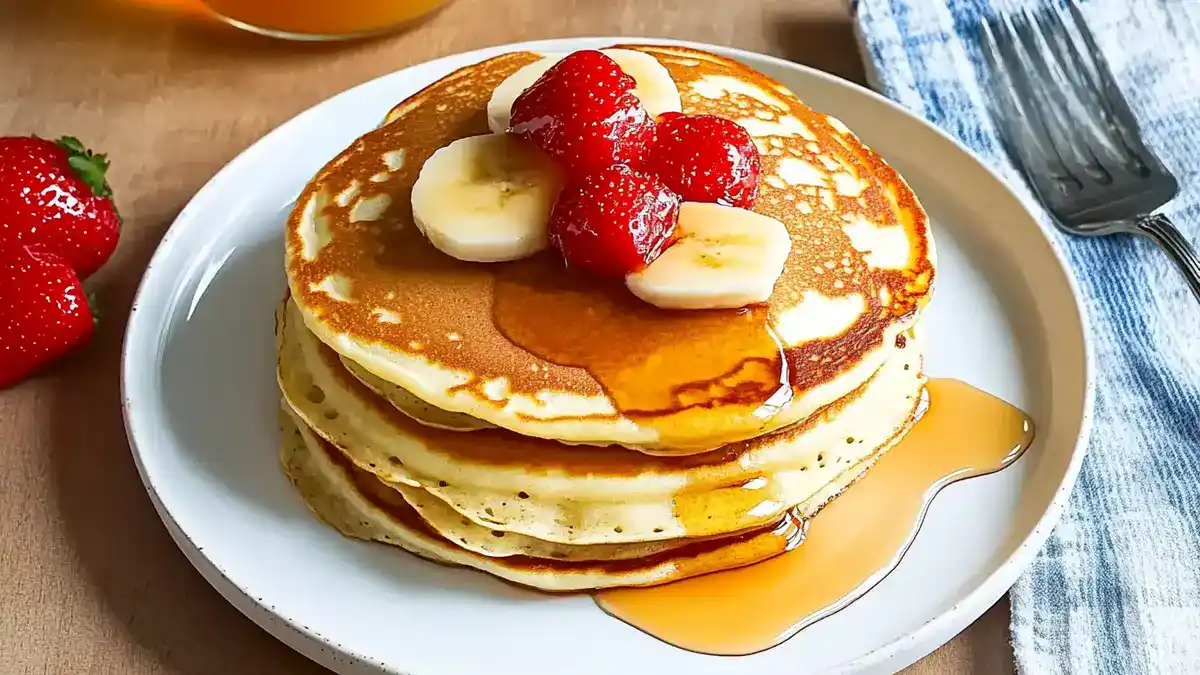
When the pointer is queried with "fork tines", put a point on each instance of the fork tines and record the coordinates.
(1057, 103)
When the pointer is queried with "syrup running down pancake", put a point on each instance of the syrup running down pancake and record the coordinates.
(585, 496)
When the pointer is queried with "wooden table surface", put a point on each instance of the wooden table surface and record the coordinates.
(90, 582)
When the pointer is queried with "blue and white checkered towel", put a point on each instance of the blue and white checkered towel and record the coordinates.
(1117, 588)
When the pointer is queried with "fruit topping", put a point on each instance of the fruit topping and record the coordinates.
(705, 158)
(583, 112)
(613, 221)
(653, 196)
(722, 257)
(54, 195)
(44, 312)
(486, 198)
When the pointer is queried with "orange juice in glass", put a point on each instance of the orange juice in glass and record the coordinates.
(320, 19)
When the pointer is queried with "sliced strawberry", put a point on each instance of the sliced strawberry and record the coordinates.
(583, 112)
(614, 221)
(55, 196)
(44, 312)
(706, 158)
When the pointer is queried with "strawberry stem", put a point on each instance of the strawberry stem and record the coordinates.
(90, 167)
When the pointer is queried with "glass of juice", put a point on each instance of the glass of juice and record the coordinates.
(320, 19)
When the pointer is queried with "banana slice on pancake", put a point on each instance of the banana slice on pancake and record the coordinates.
(725, 257)
(486, 198)
(499, 107)
(655, 87)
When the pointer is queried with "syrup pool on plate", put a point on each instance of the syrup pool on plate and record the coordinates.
(851, 545)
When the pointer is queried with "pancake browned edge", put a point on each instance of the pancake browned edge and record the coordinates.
(580, 498)
(357, 504)
(511, 344)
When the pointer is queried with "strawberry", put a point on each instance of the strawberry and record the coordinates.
(583, 112)
(614, 221)
(706, 158)
(43, 310)
(53, 195)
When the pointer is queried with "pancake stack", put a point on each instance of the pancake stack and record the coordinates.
(552, 429)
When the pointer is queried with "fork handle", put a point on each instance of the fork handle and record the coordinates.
(1160, 230)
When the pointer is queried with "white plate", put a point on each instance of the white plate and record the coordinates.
(200, 402)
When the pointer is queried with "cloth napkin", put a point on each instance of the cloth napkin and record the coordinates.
(1116, 590)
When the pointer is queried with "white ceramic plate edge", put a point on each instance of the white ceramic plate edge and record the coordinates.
(888, 658)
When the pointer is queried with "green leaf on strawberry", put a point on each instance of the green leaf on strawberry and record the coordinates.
(90, 167)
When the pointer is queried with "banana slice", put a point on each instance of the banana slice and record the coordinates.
(724, 257)
(486, 198)
(655, 88)
(499, 107)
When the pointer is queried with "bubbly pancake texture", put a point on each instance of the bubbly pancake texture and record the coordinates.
(505, 482)
(544, 351)
(407, 403)
(472, 536)
(355, 503)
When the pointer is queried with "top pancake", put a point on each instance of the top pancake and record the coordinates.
(545, 351)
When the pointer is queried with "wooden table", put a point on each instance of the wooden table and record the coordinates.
(90, 582)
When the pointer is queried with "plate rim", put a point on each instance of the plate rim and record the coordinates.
(898, 653)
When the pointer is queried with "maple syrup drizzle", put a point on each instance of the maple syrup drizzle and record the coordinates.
(851, 545)
(634, 350)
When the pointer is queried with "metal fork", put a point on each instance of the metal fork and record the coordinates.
(1070, 130)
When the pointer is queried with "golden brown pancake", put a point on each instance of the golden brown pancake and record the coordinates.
(359, 505)
(545, 351)
(592, 496)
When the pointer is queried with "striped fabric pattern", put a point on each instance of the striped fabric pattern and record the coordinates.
(1116, 590)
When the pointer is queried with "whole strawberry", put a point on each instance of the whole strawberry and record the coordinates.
(44, 312)
(614, 221)
(54, 195)
(705, 158)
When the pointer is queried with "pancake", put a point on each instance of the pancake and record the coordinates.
(471, 536)
(545, 352)
(358, 505)
(407, 403)
(584, 496)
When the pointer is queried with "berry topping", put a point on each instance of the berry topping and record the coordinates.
(44, 313)
(706, 158)
(54, 195)
(584, 113)
(613, 221)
